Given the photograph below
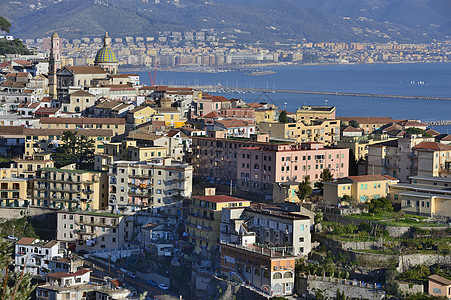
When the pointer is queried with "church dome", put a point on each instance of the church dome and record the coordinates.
(106, 54)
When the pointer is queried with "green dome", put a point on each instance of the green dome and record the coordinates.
(105, 55)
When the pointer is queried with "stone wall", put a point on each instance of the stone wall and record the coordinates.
(406, 262)
(307, 285)
(410, 288)
(396, 231)
(9, 213)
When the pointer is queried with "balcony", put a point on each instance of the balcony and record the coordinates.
(87, 191)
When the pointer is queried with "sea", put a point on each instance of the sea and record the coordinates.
(413, 79)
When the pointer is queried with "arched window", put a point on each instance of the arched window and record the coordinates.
(288, 275)
(277, 275)
(248, 269)
(257, 272)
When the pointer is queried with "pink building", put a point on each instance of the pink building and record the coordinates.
(257, 163)
(237, 113)
(288, 163)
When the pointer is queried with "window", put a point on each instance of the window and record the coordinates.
(301, 240)
(288, 275)
(277, 275)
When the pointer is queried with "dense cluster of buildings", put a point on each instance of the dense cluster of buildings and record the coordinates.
(207, 48)
(151, 143)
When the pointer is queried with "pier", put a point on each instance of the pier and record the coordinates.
(222, 89)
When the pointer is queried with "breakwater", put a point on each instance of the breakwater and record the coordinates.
(437, 123)
(239, 90)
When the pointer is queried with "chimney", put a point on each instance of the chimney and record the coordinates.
(210, 191)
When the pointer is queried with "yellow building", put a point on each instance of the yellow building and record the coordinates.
(43, 141)
(26, 168)
(359, 144)
(323, 131)
(13, 192)
(360, 188)
(204, 219)
(285, 192)
(139, 115)
(424, 196)
(117, 125)
(170, 116)
(266, 115)
(78, 102)
(70, 189)
(311, 112)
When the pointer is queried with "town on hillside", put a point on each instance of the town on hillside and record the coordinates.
(111, 189)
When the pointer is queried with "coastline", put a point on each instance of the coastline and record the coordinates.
(247, 67)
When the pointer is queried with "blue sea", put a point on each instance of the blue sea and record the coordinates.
(420, 79)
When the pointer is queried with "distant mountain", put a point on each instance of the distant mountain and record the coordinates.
(265, 21)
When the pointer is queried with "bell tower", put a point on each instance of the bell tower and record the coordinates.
(54, 65)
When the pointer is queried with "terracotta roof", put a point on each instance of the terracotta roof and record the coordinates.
(86, 70)
(50, 244)
(46, 99)
(411, 123)
(443, 137)
(220, 198)
(136, 109)
(143, 136)
(11, 130)
(365, 178)
(82, 93)
(48, 120)
(172, 133)
(440, 279)
(232, 123)
(352, 129)
(47, 110)
(368, 120)
(64, 274)
(116, 282)
(435, 146)
(163, 110)
(25, 241)
(108, 104)
(85, 132)
(213, 114)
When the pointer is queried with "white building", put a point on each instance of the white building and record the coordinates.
(35, 255)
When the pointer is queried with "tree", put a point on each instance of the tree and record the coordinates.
(415, 130)
(283, 117)
(305, 188)
(74, 149)
(16, 285)
(4, 25)
(379, 205)
(325, 176)
(354, 123)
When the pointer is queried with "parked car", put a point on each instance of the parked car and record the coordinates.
(12, 237)
(132, 275)
(151, 282)
(163, 286)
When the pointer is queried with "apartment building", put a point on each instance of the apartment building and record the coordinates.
(270, 270)
(424, 196)
(149, 184)
(204, 218)
(259, 168)
(314, 112)
(323, 131)
(70, 189)
(411, 156)
(117, 125)
(13, 192)
(33, 255)
(361, 188)
(44, 141)
(269, 226)
(94, 230)
(360, 144)
(367, 124)
(26, 168)
(63, 285)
